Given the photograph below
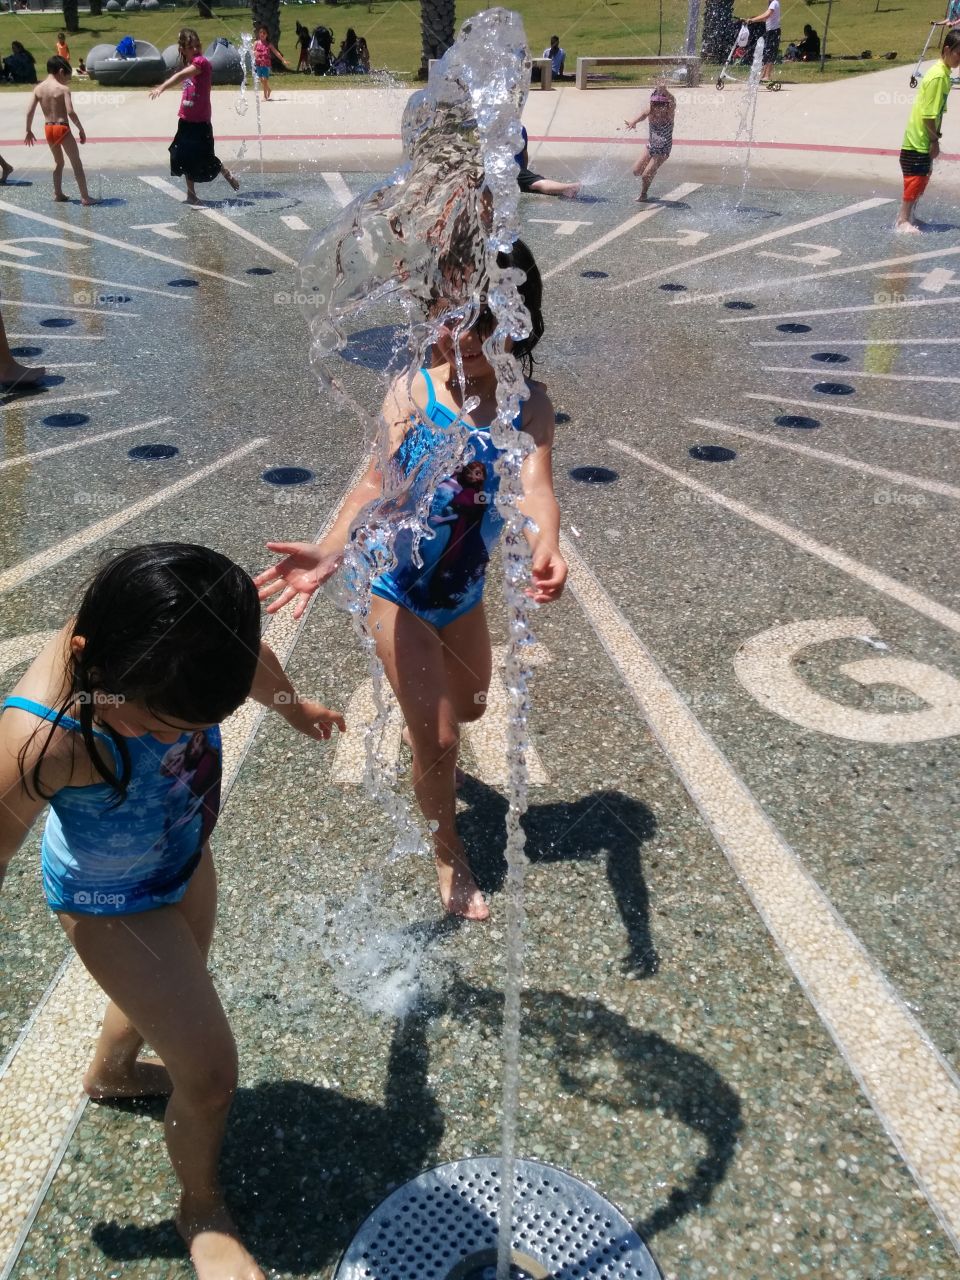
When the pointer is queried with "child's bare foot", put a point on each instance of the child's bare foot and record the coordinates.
(5, 171)
(13, 374)
(234, 182)
(908, 228)
(144, 1080)
(87, 201)
(60, 198)
(459, 892)
(193, 199)
(571, 190)
(215, 1248)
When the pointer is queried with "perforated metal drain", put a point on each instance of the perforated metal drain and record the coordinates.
(443, 1226)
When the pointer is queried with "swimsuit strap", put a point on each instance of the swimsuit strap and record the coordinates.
(47, 713)
(433, 408)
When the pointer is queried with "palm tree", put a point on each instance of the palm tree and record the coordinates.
(71, 19)
(266, 13)
(437, 23)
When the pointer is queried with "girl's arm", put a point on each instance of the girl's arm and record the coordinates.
(272, 688)
(177, 78)
(276, 52)
(539, 502)
(632, 124)
(19, 804)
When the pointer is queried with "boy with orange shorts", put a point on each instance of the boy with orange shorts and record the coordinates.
(921, 141)
(53, 97)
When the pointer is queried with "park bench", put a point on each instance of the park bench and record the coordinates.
(545, 65)
(584, 66)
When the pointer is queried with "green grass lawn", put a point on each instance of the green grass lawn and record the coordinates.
(614, 26)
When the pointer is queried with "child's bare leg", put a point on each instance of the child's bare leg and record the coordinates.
(642, 163)
(413, 657)
(5, 171)
(12, 373)
(192, 197)
(69, 145)
(649, 172)
(151, 966)
(56, 150)
(229, 177)
(547, 187)
(906, 218)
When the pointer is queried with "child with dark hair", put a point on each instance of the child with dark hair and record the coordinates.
(192, 155)
(529, 181)
(116, 726)
(427, 619)
(921, 141)
(264, 51)
(52, 96)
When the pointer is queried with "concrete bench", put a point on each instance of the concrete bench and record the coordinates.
(584, 66)
(545, 65)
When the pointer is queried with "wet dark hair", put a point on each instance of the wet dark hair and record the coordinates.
(57, 63)
(170, 625)
(531, 291)
(951, 41)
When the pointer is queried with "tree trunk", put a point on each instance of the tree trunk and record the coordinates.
(96, 8)
(266, 13)
(71, 19)
(437, 23)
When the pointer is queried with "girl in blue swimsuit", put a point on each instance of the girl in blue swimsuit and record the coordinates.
(116, 727)
(428, 620)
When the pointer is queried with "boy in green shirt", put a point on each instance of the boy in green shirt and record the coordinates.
(921, 142)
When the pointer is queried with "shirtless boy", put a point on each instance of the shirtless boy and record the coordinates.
(53, 97)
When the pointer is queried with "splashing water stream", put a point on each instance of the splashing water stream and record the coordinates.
(748, 113)
(432, 241)
(247, 64)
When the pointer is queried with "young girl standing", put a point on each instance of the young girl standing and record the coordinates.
(428, 621)
(263, 53)
(116, 726)
(661, 114)
(191, 152)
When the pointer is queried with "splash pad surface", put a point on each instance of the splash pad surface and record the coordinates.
(671, 1058)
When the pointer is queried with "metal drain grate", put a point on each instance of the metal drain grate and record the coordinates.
(443, 1226)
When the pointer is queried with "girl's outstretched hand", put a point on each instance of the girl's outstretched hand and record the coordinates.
(549, 573)
(313, 719)
(304, 568)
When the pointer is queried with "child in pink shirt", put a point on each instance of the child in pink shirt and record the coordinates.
(263, 54)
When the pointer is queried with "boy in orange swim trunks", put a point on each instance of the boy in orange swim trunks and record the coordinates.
(53, 97)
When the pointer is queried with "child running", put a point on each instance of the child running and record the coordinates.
(661, 114)
(52, 96)
(428, 622)
(117, 726)
(921, 141)
(263, 53)
(191, 152)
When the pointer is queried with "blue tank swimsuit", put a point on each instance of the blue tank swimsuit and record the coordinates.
(100, 858)
(464, 519)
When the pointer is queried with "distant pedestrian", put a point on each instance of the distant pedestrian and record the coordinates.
(557, 58)
(191, 152)
(661, 114)
(921, 141)
(264, 51)
(63, 49)
(303, 41)
(771, 37)
(52, 96)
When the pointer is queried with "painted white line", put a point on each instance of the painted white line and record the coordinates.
(53, 337)
(898, 591)
(43, 560)
(836, 459)
(24, 458)
(55, 1044)
(879, 415)
(780, 281)
(22, 402)
(848, 211)
(168, 189)
(911, 1087)
(856, 342)
(337, 184)
(223, 221)
(678, 193)
(293, 222)
(117, 244)
(858, 373)
(113, 285)
(840, 311)
(105, 312)
(73, 364)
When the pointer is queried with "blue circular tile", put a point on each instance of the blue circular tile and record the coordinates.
(673, 288)
(737, 305)
(833, 388)
(152, 452)
(712, 453)
(263, 195)
(560, 418)
(287, 475)
(186, 283)
(797, 420)
(58, 322)
(793, 328)
(66, 420)
(594, 275)
(830, 357)
(259, 271)
(594, 475)
(26, 351)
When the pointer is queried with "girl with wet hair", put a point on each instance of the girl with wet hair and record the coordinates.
(116, 726)
(192, 155)
(427, 619)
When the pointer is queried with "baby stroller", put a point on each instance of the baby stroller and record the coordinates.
(915, 78)
(318, 51)
(742, 51)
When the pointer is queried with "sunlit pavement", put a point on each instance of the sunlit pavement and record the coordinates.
(741, 982)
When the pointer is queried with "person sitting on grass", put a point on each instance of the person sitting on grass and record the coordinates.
(921, 141)
(529, 181)
(557, 58)
(20, 66)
